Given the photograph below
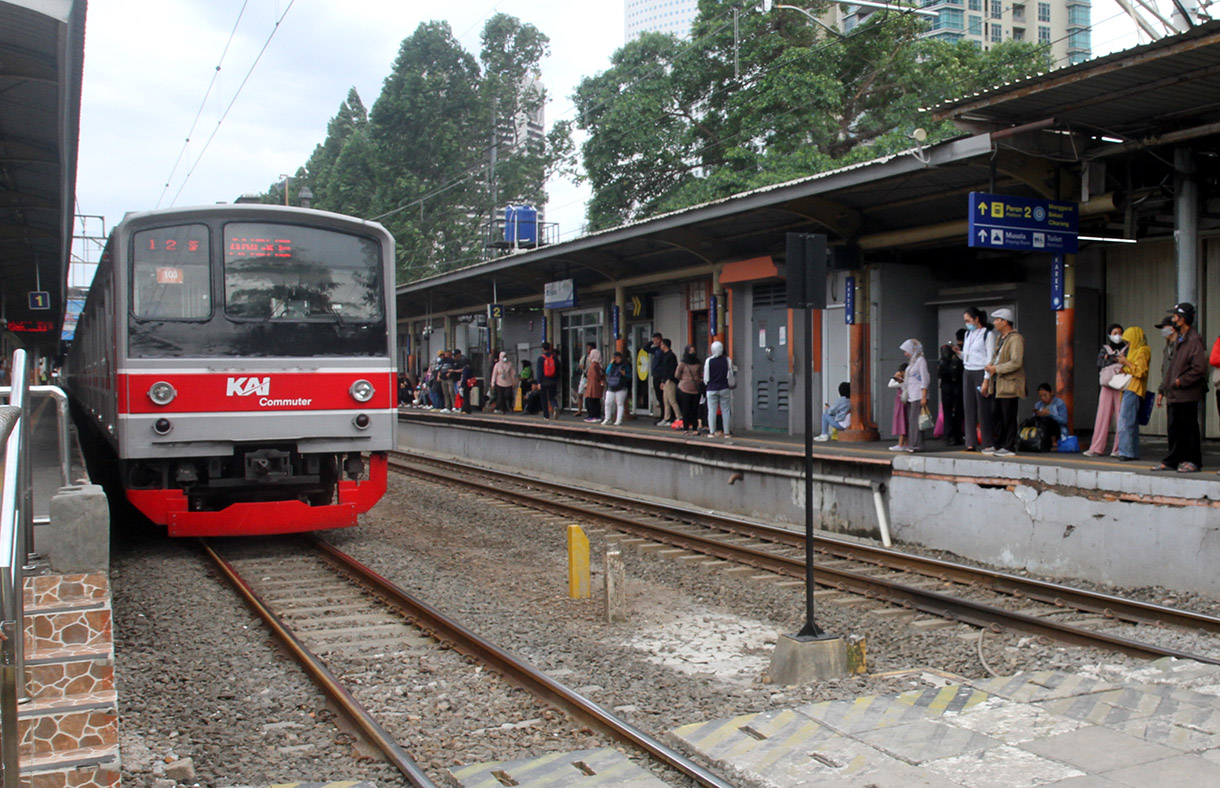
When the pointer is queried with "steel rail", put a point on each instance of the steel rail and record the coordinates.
(1119, 608)
(324, 678)
(931, 602)
(518, 671)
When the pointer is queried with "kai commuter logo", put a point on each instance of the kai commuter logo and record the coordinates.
(246, 387)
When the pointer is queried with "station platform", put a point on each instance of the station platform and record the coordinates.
(1101, 727)
(1062, 516)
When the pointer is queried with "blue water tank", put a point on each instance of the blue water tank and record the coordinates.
(521, 225)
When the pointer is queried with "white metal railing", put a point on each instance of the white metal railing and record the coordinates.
(16, 534)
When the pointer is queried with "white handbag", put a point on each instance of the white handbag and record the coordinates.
(1119, 382)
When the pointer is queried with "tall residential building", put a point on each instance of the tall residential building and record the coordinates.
(658, 16)
(1062, 24)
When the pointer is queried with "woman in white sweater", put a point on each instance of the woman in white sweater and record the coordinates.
(977, 350)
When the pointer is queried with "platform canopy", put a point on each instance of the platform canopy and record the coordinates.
(42, 47)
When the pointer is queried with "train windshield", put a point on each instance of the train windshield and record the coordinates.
(282, 272)
(171, 273)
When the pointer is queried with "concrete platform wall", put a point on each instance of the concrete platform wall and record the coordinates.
(771, 486)
(1112, 527)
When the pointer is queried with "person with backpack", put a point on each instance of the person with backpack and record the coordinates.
(978, 348)
(720, 379)
(547, 370)
(949, 371)
(618, 383)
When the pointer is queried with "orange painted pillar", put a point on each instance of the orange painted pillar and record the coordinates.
(1065, 343)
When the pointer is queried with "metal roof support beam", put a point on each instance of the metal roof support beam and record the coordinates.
(834, 216)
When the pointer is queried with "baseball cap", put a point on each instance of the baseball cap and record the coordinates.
(1184, 309)
(1003, 313)
(1164, 322)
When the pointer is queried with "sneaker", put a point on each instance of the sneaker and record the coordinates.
(1090, 453)
(606, 423)
(590, 420)
(618, 423)
(662, 423)
(822, 438)
(896, 447)
(989, 450)
(1003, 453)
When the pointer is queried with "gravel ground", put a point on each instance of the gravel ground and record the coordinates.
(200, 678)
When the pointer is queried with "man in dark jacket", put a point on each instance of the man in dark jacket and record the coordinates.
(547, 374)
(1182, 390)
(949, 371)
(663, 376)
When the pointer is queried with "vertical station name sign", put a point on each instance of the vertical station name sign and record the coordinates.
(1001, 221)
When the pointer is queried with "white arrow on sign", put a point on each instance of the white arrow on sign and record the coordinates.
(982, 236)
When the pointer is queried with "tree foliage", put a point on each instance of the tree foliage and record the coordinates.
(674, 123)
(421, 158)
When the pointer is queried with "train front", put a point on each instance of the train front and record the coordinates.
(256, 393)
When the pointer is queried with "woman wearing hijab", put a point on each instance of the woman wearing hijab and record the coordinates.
(503, 383)
(689, 377)
(719, 376)
(595, 383)
(1108, 400)
(1135, 360)
(915, 390)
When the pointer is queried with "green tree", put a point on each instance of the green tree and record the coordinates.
(351, 119)
(672, 124)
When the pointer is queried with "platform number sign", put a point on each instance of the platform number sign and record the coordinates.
(39, 299)
(495, 311)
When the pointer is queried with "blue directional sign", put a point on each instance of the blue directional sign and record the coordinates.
(1000, 221)
(1058, 280)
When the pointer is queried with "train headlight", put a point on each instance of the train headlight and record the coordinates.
(361, 390)
(161, 393)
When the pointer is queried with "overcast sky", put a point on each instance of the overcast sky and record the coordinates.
(148, 64)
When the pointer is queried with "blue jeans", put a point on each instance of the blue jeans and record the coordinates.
(723, 400)
(1128, 425)
(828, 423)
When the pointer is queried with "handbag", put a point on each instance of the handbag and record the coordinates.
(925, 419)
(1108, 372)
(1119, 381)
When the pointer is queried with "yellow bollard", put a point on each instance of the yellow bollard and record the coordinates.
(578, 563)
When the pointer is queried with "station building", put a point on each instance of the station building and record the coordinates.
(1126, 139)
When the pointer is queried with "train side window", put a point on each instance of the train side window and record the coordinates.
(170, 277)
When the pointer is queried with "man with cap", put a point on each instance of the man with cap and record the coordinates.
(1007, 382)
(1181, 391)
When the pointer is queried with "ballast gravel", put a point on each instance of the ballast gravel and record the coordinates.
(200, 678)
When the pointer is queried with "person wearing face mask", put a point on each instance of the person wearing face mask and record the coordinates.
(1181, 390)
(1108, 399)
(1135, 360)
(978, 347)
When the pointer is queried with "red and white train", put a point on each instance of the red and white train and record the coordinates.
(239, 360)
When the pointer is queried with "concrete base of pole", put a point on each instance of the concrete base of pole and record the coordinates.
(800, 660)
(867, 435)
(78, 536)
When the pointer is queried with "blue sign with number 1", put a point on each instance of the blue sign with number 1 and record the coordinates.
(40, 299)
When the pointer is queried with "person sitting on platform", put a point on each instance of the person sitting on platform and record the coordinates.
(837, 416)
(1051, 411)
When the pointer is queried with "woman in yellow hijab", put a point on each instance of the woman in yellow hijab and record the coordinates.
(1135, 363)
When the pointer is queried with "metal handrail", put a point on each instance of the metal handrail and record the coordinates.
(16, 533)
(62, 435)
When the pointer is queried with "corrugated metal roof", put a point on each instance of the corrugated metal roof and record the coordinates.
(42, 46)
(1164, 86)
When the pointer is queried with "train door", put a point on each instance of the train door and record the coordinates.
(770, 381)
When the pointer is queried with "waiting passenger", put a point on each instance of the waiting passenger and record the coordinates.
(720, 379)
(548, 369)
(618, 383)
(527, 380)
(1108, 400)
(950, 372)
(689, 378)
(978, 348)
(595, 383)
(1135, 359)
(1007, 370)
(503, 380)
(898, 423)
(915, 387)
(466, 381)
(665, 372)
(1183, 389)
(445, 373)
(1051, 412)
(838, 415)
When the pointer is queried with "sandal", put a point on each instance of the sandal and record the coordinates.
(1188, 467)
(1162, 467)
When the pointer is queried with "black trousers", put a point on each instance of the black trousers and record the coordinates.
(593, 406)
(1184, 442)
(1005, 424)
(689, 403)
(951, 404)
(550, 399)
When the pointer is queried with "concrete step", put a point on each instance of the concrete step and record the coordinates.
(88, 767)
(59, 678)
(50, 592)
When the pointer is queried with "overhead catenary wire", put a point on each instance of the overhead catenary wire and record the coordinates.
(203, 103)
(245, 79)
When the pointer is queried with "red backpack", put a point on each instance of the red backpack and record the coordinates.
(548, 366)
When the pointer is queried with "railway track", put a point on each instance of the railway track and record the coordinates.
(320, 602)
(979, 597)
